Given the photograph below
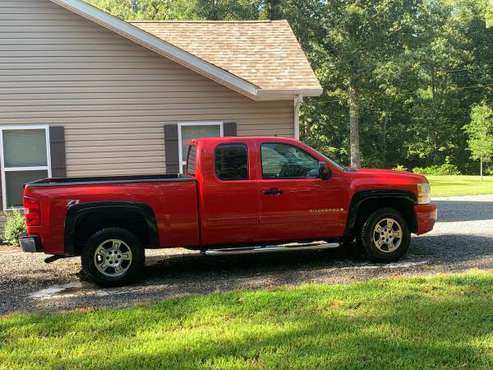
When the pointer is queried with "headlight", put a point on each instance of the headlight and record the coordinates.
(424, 193)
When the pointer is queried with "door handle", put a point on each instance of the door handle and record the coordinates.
(273, 191)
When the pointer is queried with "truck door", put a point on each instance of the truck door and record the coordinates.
(229, 195)
(296, 204)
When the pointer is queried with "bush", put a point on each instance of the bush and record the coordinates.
(14, 227)
(445, 169)
(400, 167)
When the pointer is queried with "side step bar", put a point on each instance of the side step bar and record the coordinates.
(271, 248)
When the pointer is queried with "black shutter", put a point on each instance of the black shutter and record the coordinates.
(230, 129)
(171, 148)
(57, 149)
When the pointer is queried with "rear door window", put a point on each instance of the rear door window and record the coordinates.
(231, 162)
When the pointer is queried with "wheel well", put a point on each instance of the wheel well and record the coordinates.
(403, 205)
(131, 220)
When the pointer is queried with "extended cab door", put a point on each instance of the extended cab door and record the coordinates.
(229, 199)
(295, 203)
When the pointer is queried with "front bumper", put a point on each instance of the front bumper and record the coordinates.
(31, 244)
(426, 216)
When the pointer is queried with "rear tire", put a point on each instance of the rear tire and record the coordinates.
(384, 236)
(113, 257)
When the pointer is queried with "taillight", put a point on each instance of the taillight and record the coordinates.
(32, 212)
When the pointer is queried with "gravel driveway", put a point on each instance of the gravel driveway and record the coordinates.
(463, 239)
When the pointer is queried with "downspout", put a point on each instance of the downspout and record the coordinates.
(298, 100)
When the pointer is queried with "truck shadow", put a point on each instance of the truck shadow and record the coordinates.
(168, 276)
(449, 251)
(196, 263)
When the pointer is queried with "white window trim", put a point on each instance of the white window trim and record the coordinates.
(182, 162)
(17, 169)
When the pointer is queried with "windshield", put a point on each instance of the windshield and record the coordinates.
(339, 166)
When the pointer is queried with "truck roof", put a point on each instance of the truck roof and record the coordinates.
(226, 139)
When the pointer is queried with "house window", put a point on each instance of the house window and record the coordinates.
(194, 130)
(25, 158)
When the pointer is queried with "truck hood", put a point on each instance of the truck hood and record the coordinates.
(389, 174)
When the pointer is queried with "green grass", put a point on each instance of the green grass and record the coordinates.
(416, 323)
(446, 186)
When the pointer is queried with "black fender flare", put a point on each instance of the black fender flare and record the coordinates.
(77, 212)
(361, 197)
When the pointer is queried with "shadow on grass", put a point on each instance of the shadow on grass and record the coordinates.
(418, 323)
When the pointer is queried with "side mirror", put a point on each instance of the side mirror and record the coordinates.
(324, 172)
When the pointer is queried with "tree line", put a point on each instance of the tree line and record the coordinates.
(401, 78)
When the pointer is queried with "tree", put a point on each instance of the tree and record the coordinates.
(399, 76)
(274, 9)
(186, 9)
(226, 9)
(349, 41)
(417, 76)
(147, 9)
(480, 132)
(446, 75)
(489, 14)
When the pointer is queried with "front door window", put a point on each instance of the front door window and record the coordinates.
(284, 161)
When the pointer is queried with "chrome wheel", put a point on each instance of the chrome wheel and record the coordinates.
(113, 258)
(387, 235)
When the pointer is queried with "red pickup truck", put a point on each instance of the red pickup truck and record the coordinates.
(236, 192)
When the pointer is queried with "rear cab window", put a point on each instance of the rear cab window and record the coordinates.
(191, 160)
(231, 162)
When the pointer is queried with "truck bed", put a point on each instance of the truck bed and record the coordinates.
(108, 180)
(171, 197)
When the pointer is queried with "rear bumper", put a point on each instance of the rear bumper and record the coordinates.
(426, 216)
(31, 244)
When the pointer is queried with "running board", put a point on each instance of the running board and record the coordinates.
(272, 248)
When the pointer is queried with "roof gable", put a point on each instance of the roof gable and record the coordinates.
(266, 53)
(265, 77)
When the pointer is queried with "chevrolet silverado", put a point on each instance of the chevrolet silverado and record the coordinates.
(236, 192)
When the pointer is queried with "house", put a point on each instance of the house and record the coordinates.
(83, 93)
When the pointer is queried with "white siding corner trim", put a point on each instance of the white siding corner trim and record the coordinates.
(297, 105)
(159, 46)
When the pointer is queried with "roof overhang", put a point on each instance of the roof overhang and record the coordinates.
(159, 46)
(263, 95)
(179, 55)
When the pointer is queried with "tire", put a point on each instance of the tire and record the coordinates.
(113, 257)
(382, 244)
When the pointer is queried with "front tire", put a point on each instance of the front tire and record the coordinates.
(113, 257)
(384, 236)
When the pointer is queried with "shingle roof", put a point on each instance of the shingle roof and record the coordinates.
(265, 53)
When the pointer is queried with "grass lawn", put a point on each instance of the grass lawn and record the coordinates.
(416, 323)
(446, 186)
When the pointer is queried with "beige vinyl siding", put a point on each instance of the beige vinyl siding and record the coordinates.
(112, 96)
